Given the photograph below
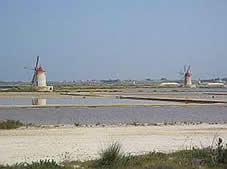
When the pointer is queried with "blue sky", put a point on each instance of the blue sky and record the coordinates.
(101, 39)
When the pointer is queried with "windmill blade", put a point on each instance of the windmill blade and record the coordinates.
(34, 76)
(37, 62)
(188, 68)
(28, 68)
(185, 68)
(181, 73)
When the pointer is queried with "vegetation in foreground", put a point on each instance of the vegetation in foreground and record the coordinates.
(10, 124)
(213, 157)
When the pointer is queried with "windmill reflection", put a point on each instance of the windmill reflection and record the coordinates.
(38, 101)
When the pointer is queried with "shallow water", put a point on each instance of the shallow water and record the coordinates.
(74, 100)
(117, 115)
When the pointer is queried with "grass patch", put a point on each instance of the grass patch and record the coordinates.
(42, 164)
(10, 124)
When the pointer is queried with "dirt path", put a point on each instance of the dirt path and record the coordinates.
(70, 143)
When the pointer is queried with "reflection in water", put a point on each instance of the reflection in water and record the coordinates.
(38, 101)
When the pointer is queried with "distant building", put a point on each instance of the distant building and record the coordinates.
(40, 82)
(39, 78)
(187, 76)
(170, 84)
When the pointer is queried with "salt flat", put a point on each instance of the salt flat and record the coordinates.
(83, 143)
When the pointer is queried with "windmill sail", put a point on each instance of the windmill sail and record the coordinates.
(188, 68)
(33, 78)
(35, 70)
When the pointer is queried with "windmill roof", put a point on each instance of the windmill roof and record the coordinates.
(40, 70)
(187, 74)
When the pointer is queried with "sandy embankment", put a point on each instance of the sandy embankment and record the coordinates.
(71, 143)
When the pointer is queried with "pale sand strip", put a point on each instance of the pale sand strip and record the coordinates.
(71, 143)
(2, 107)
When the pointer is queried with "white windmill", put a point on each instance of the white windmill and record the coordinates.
(39, 81)
(39, 76)
(187, 76)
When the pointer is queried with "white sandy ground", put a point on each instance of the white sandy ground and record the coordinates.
(72, 143)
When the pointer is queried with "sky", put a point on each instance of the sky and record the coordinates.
(118, 39)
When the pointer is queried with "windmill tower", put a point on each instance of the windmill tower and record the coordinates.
(39, 81)
(39, 76)
(187, 76)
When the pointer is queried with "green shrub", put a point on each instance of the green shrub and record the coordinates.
(220, 153)
(10, 124)
(110, 156)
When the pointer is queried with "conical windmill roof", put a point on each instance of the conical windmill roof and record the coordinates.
(40, 70)
(187, 74)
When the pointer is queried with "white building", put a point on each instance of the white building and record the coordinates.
(39, 82)
(187, 79)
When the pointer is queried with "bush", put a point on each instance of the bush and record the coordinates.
(220, 153)
(10, 124)
(111, 157)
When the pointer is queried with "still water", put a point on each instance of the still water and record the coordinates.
(74, 100)
(117, 115)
